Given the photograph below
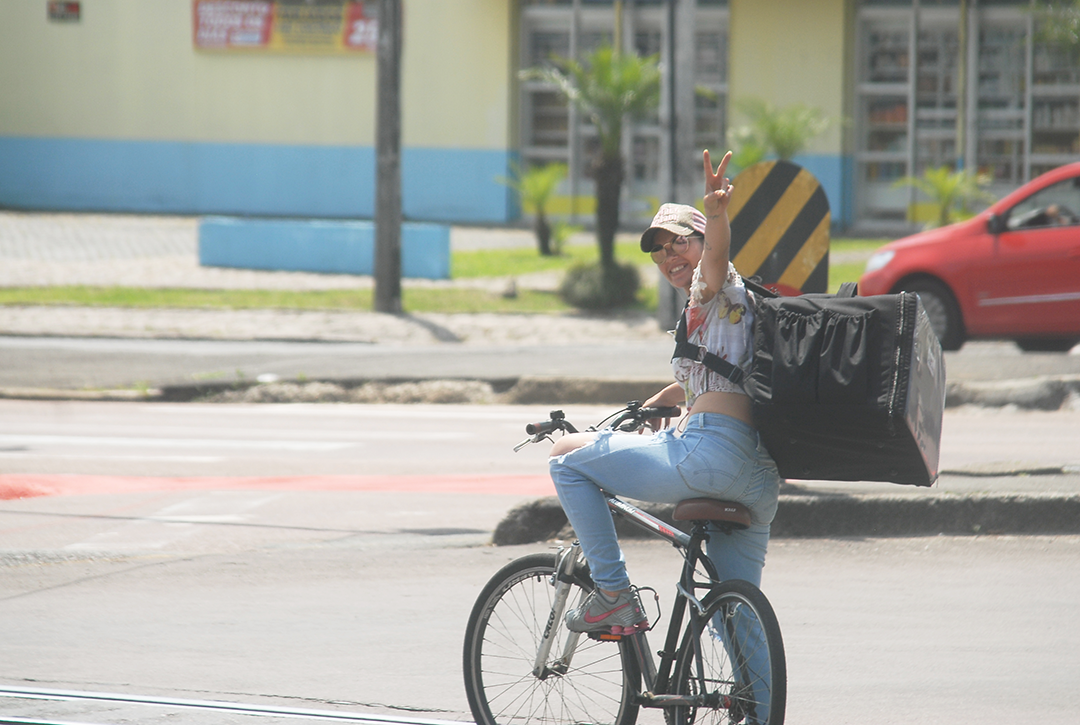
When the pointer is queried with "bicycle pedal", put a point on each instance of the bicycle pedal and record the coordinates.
(605, 637)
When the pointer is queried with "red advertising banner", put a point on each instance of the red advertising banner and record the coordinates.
(324, 26)
(64, 12)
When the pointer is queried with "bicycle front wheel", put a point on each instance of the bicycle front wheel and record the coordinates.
(582, 680)
(733, 658)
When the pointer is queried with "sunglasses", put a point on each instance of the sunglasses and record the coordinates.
(677, 245)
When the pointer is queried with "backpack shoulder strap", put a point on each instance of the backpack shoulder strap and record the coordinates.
(754, 285)
(848, 289)
(685, 349)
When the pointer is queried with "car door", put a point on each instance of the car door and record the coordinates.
(1029, 283)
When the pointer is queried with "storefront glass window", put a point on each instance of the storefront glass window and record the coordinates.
(1021, 100)
(551, 131)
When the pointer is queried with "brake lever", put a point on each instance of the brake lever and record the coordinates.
(533, 439)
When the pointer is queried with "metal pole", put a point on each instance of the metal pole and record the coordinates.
(971, 129)
(961, 87)
(680, 187)
(1029, 78)
(912, 126)
(573, 127)
(388, 162)
(617, 31)
(688, 189)
(670, 184)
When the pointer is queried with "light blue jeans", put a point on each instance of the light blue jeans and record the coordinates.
(717, 456)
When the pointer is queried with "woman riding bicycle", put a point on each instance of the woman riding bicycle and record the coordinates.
(715, 452)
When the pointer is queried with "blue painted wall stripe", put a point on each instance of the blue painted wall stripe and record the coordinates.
(834, 174)
(451, 185)
(335, 247)
(174, 177)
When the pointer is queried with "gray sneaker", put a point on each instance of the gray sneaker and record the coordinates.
(599, 613)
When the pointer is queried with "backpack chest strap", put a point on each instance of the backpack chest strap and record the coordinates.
(698, 353)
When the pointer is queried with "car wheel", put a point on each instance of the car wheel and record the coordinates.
(942, 310)
(1047, 344)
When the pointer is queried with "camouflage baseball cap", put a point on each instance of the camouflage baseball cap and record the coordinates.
(679, 219)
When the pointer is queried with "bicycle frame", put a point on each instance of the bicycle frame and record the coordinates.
(656, 679)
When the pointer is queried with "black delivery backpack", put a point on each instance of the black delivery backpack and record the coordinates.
(844, 388)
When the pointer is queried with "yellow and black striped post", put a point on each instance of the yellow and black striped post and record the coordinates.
(780, 227)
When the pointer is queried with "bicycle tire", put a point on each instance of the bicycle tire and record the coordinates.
(501, 641)
(735, 663)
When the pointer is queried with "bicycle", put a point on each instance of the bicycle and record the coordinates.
(523, 667)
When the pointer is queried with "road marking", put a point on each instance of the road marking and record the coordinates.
(28, 485)
(220, 706)
(174, 522)
(106, 457)
(127, 441)
(11, 441)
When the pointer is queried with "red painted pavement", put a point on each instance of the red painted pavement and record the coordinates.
(27, 485)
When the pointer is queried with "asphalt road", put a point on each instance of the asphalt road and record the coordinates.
(78, 363)
(325, 557)
(357, 601)
(308, 441)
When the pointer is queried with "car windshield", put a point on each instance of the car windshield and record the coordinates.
(1057, 205)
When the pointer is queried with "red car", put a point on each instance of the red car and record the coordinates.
(1011, 272)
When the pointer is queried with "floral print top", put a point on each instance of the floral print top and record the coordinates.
(722, 325)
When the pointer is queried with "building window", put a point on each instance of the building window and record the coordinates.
(1022, 102)
(552, 131)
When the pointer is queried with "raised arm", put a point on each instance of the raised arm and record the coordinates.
(714, 260)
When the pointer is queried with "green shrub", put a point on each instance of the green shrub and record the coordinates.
(595, 287)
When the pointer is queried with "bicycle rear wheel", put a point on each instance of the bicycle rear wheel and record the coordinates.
(502, 638)
(741, 671)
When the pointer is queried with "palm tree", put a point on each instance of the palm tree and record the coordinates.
(950, 191)
(1058, 24)
(608, 87)
(535, 187)
(782, 132)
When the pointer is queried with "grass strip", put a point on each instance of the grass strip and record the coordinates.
(417, 300)
(422, 299)
(499, 263)
(526, 260)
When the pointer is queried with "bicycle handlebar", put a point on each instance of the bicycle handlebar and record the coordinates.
(556, 421)
(629, 419)
(651, 412)
(546, 426)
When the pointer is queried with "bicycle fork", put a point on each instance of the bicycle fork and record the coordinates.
(568, 561)
(543, 667)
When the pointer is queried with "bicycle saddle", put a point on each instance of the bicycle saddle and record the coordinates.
(710, 509)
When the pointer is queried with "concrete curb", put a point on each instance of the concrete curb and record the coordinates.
(126, 395)
(1042, 393)
(831, 516)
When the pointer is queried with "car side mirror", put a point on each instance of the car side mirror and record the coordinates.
(995, 224)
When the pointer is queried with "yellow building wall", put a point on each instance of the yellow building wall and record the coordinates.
(457, 73)
(793, 51)
(128, 69)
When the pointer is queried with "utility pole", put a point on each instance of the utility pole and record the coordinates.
(388, 160)
(684, 168)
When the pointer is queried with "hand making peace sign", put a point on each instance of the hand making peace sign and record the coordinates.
(717, 186)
